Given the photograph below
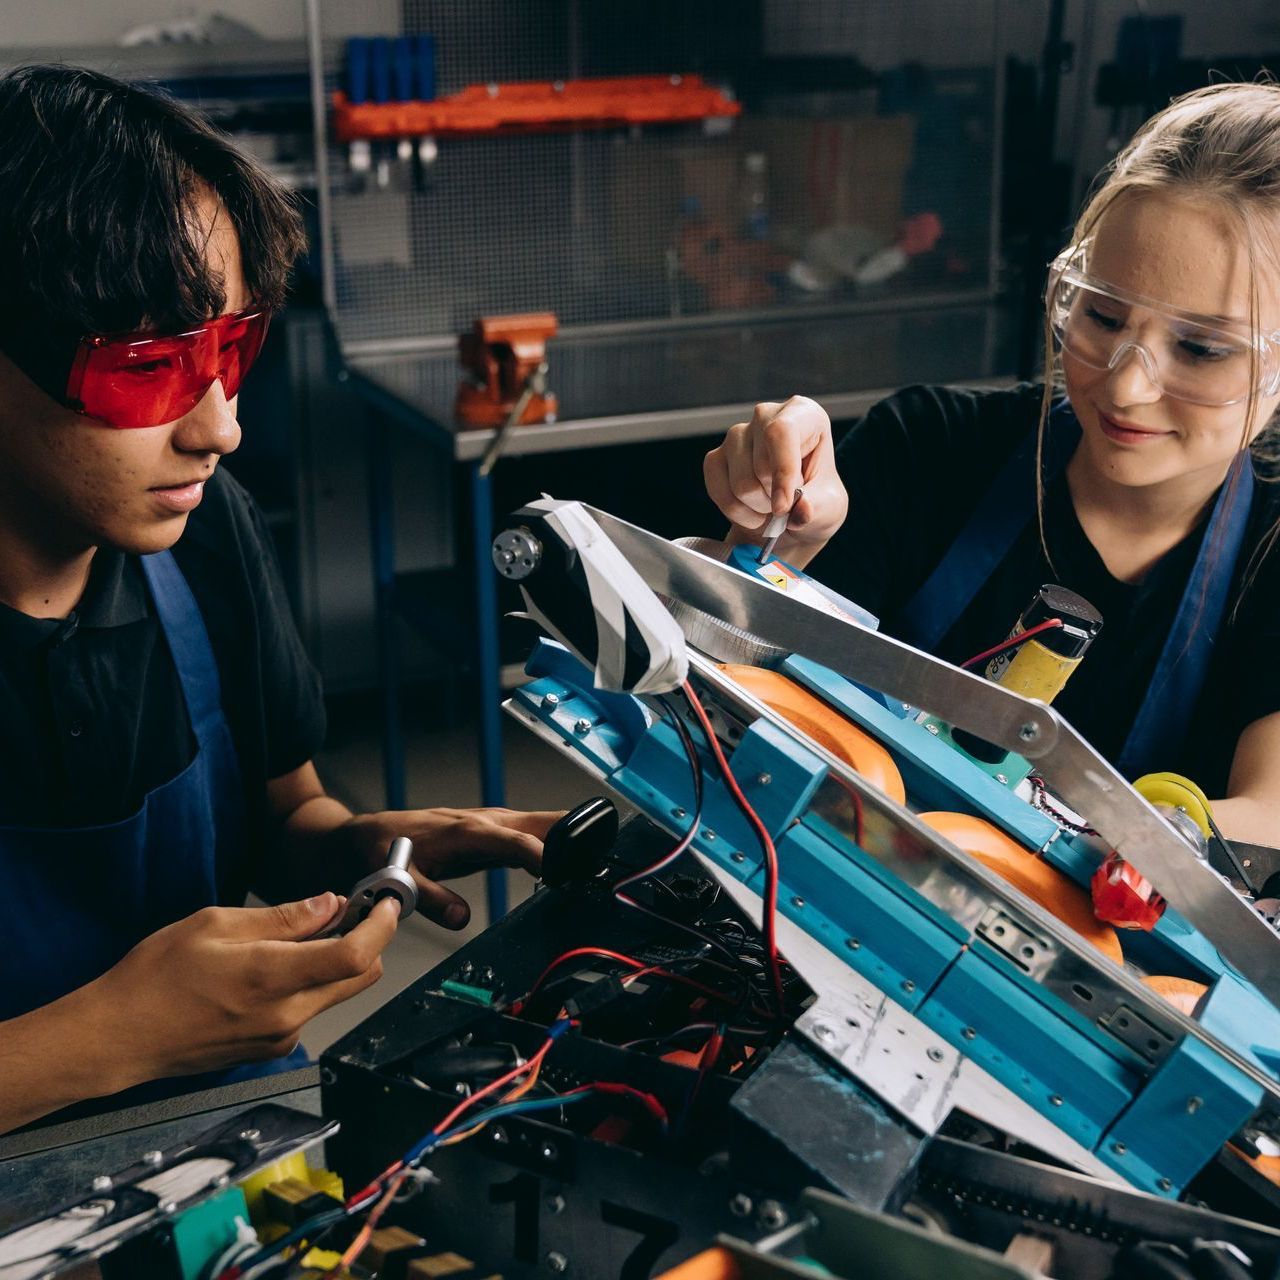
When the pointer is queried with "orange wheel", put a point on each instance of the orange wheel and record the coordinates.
(826, 726)
(714, 1264)
(1042, 883)
(1183, 993)
(1268, 1166)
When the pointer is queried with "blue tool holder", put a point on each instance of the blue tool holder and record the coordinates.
(1156, 1125)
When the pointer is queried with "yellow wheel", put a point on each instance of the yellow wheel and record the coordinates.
(1177, 792)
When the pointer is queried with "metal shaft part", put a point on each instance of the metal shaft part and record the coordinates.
(401, 853)
(776, 527)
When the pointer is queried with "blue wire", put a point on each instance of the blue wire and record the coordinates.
(420, 1148)
(320, 1222)
(521, 1107)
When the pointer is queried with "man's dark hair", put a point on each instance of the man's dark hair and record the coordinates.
(99, 183)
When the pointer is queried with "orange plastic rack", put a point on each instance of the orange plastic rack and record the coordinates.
(536, 107)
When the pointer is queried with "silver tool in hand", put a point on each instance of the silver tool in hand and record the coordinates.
(391, 881)
(774, 530)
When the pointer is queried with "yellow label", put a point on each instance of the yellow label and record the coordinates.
(1037, 672)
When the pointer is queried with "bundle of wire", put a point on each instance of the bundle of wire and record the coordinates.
(383, 1189)
(769, 921)
(766, 844)
(739, 1000)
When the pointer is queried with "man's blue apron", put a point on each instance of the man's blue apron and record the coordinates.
(997, 522)
(74, 901)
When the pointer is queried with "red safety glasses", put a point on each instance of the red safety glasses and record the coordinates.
(148, 379)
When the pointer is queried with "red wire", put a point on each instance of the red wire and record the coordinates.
(444, 1124)
(627, 960)
(647, 1100)
(1014, 642)
(770, 920)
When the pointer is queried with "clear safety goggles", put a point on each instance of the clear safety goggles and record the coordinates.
(148, 379)
(1187, 356)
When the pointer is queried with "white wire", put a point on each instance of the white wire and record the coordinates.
(246, 1242)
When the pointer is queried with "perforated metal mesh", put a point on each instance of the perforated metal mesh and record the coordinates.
(677, 221)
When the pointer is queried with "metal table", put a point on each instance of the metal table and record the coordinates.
(633, 384)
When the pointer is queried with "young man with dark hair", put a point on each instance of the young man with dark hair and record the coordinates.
(158, 716)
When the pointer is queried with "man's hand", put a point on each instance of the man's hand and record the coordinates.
(232, 984)
(448, 843)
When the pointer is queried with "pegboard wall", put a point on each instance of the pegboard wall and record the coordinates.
(857, 118)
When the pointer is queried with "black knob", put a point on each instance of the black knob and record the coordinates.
(577, 846)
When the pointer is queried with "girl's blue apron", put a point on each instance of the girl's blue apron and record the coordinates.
(998, 521)
(75, 900)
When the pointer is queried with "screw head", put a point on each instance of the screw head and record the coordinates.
(155, 1157)
(1029, 732)
(934, 1054)
(103, 1182)
(737, 856)
(908, 986)
(823, 1032)
(551, 700)
(1119, 1148)
(1055, 1100)
(548, 1151)
(763, 779)
(772, 1216)
(250, 1135)
(933, 728)
(557, 1262)
(678, 813)
(1002, 780)
(328, 1075)
(969, 1033)
(853, 944)
(555, 1204)
(708, 834)
(797, 902)
(740, 1205)
(498, 1135)
(1165, 1185)
(582, 727)
(1194, 1105)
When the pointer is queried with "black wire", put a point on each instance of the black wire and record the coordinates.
(691, 754)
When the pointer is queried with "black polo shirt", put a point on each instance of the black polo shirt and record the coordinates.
(917, 466)
(92, 716)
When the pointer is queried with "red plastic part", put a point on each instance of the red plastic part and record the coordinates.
(1124, 898)
(536, 107)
